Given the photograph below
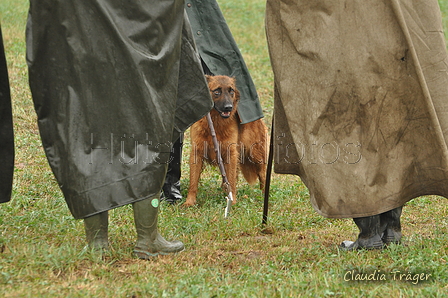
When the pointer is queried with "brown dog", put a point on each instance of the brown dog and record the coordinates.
(242, 146)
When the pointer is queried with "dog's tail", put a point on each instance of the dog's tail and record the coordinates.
(252, 171)
(249, 171)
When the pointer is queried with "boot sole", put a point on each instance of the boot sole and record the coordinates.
(145, 255)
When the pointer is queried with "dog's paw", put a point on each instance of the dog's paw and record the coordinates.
(188, 204)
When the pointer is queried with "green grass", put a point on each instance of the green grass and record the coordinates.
(42, 247)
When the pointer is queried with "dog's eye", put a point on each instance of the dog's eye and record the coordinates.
(217, 92)
(231, 91)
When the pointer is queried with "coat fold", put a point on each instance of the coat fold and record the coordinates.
(6, 130)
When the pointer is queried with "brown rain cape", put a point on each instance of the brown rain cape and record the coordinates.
(113, 83)
(6, 131)
(221, 54)
(361, 101)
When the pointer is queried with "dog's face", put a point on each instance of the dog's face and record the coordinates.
(224, 93)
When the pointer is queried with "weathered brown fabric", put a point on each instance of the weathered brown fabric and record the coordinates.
(361, 101)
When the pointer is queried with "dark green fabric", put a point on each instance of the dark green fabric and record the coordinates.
(6, 131)
(220, 53)
(113, 83)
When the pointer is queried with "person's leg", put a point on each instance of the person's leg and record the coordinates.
(96, 227)
(377, 231)
(369, 234)
(171, 187)
(149, 242)
(390, 220)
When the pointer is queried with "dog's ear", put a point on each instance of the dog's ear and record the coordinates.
(237, 93)
(208, 78)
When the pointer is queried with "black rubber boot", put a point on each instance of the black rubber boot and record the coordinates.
(369, 235)
(390, 220)
(96, 227)
(171, 188)
(149, 242)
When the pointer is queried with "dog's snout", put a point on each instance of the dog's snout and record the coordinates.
(228, 107)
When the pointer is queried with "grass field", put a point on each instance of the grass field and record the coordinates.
(42, 247)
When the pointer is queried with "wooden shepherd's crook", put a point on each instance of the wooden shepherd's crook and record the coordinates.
(225, 181)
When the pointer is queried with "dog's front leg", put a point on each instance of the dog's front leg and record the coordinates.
(231, 160)
(196, 164)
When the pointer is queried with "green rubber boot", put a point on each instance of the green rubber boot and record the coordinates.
(96, 230)
(149, 242)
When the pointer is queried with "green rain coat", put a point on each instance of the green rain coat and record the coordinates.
(361, 101)
(114, 83)
(6, 131)
(221, 54)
